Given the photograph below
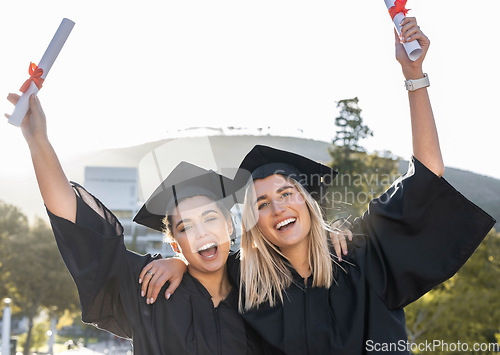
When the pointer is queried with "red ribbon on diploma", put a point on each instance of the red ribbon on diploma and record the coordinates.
(399, 6)
(35, 76)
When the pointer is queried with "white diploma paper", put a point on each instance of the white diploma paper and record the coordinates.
(45, 63)
(412, 48)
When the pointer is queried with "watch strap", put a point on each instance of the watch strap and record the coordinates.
(415, 84)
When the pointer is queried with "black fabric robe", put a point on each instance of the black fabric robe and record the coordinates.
(413, 237)
(107, 275)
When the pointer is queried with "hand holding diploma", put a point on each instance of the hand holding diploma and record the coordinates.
(411, 32)
(33, 124)
(398, 12)
(39, 73)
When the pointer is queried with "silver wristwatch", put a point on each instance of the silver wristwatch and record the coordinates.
(412, 85)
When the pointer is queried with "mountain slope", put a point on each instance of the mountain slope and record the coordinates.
(214, 152)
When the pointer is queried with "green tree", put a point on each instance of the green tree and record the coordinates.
(38, 336)
(350, 126)
(13, 225)
(362, 176)
(465, 308)
(33, 273)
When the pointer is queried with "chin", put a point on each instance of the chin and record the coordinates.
(216, 266)
(283, 241)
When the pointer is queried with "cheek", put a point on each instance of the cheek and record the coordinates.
(254, 217)
(222, 231)
(299, 199)
(262, 220)
(303, 210)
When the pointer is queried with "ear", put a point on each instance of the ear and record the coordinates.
(230, 225)
(175, 247)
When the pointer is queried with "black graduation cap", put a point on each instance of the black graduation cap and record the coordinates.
(263, 161)
(186, 180)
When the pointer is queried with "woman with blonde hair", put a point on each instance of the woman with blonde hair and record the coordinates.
(265, 270)
(413, 237)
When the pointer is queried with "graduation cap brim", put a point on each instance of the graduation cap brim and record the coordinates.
(186, 180)
(263, 161)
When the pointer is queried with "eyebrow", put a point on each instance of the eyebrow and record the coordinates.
(189, 219)
(281, 189)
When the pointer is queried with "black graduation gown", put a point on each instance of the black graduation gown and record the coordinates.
(413, 237)
(107, 275)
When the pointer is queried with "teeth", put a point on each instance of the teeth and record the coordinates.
(284, 223)
(207, 246)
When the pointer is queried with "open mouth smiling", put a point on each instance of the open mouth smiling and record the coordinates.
(287, 223)
(208, 250)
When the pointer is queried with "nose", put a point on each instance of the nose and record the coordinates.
(277, 207)
(198, 231)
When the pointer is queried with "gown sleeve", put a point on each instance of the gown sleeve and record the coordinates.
(418, 234)
(94, 252)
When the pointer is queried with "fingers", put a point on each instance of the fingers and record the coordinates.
(343, 243)
(410, 31)
(13, 98)
(145, 280)
(408, 27)
(35, 107)
(341, 231)
(152, 278)
(145, 269)
(145, 277)
(339, 243)
(174, 283)
(154, 275)
(155, 285)
(35, 104)
(34, 101)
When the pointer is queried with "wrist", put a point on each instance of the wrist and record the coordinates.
(413, 74)
(415, 84)
(37, 143)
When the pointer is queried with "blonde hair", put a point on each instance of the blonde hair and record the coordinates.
(264, 270)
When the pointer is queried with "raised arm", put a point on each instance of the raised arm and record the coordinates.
(56, 191)
(424, 133)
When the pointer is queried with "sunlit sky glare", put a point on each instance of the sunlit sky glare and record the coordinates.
(133, 72)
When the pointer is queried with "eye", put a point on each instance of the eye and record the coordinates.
(262, 205)
(210, 219)
(183, 228)
(286, 194)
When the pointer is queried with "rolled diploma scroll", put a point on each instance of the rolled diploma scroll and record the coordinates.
(46, 62)
(412, 48)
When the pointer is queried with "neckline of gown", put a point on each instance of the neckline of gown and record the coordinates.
(195, 288)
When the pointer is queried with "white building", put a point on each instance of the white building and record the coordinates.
(118, 189)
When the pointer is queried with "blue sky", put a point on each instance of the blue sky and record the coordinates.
(133, 72)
